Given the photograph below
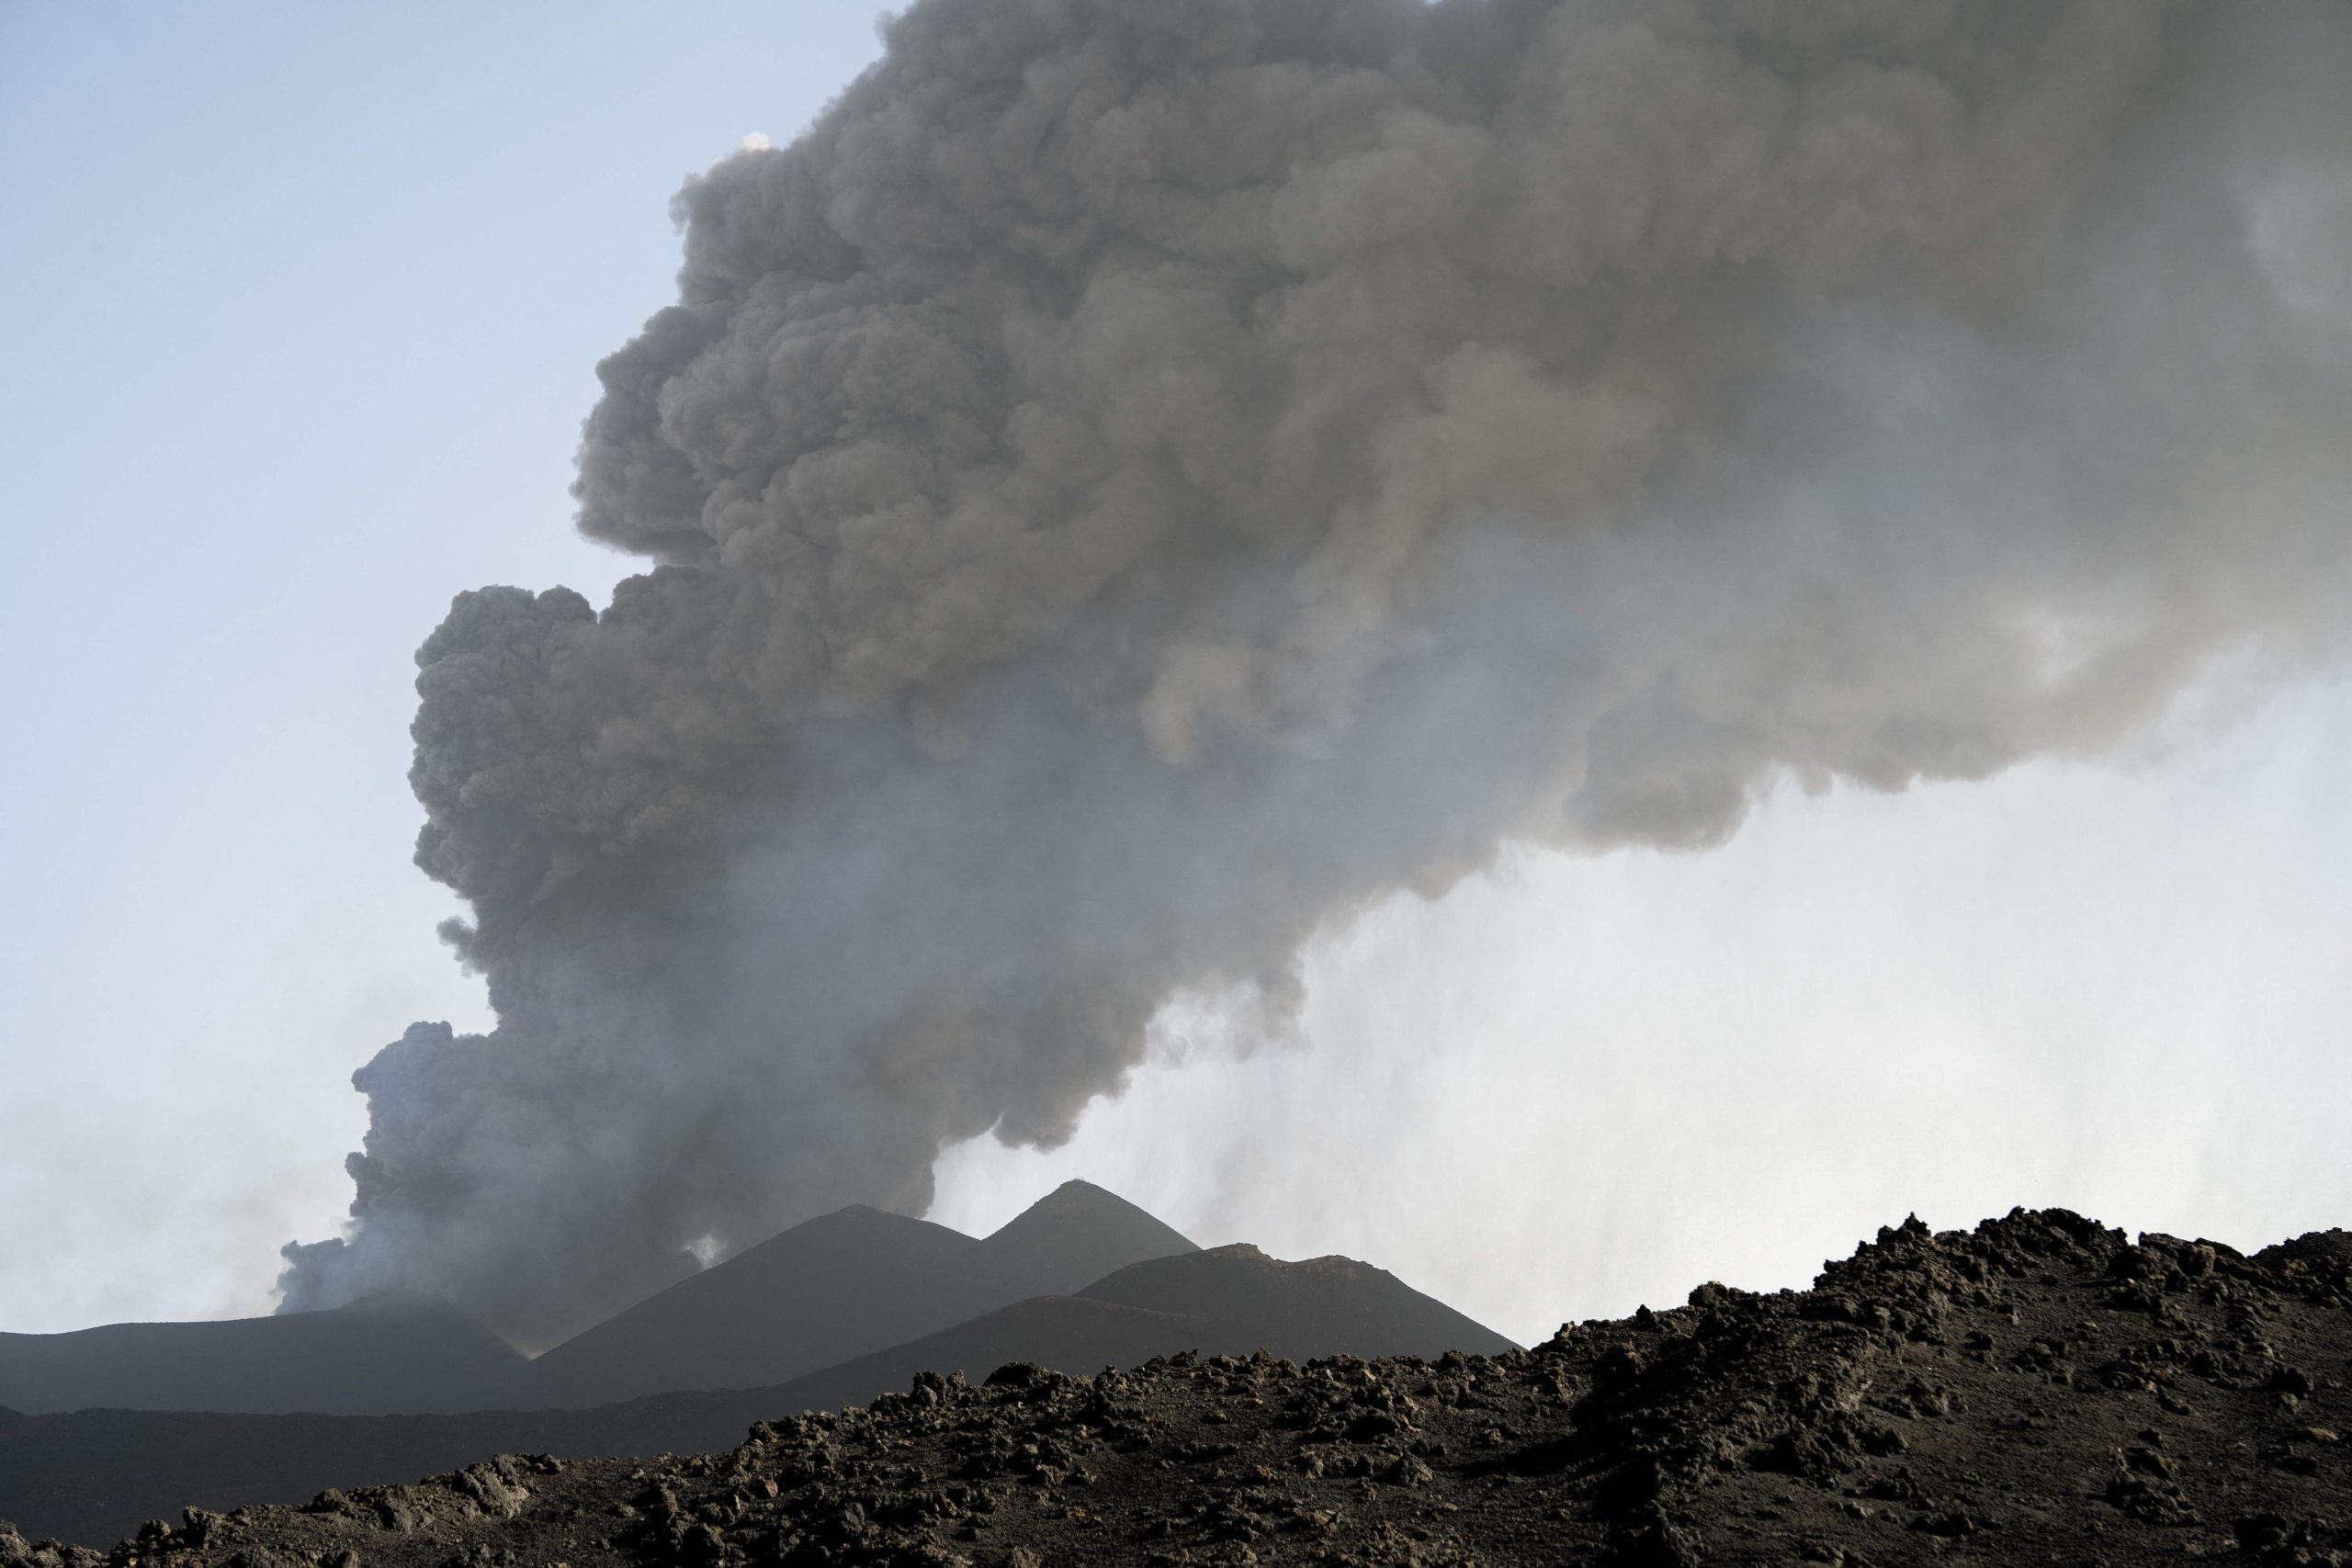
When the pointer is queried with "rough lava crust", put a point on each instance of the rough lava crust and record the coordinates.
(2040, 1390)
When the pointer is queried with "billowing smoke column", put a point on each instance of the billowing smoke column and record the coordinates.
(1141, 479)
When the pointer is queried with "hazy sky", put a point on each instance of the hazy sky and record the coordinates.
(300, 310)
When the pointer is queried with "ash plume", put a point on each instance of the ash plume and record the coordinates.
(1140, 480)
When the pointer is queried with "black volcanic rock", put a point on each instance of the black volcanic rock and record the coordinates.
(2040, 1391)
(2322, 1256)
(386, 1353)
(838, 1287)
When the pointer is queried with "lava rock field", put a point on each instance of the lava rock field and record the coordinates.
(2038, 1391)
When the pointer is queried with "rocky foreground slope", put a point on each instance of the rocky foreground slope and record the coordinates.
(2040, 1391)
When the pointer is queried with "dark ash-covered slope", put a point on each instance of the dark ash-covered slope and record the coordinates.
(1067, 1239)
(1320, 1307)
(840, 1286)
(95, 1474)
(388, 1353)
(834, 1287)
(2036, 1391)
(1228, 1300)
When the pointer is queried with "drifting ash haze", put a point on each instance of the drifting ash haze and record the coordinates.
(1139, 481)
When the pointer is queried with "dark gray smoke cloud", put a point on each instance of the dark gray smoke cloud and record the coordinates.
(1140, 479)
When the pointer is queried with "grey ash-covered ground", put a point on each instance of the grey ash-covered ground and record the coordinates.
(2039, 1390)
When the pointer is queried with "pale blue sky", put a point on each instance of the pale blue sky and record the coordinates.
(300, 307)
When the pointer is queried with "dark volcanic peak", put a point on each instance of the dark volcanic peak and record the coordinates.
(95, 1474)
(392, 1352)
(1066, 1240)
(826, 1289)
(835, 1288)
(841, 1286)
(1299, 1310)
(2039, 1390)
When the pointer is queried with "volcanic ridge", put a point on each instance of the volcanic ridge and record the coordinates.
(2041, 1389)
(830, 1314)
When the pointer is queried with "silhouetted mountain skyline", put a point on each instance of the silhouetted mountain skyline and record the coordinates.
(815, 1301)
(383, 1355)
(837, 1287)
(96, 1473)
